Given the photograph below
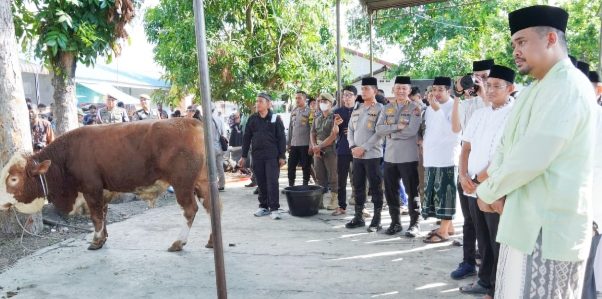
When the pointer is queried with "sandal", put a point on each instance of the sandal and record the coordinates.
(429, 239)
(434, 230)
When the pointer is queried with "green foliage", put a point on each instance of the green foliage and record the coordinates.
(253, 45)
(444, 38)
(85, 28)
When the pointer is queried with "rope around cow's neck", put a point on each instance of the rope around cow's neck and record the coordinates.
(43, 181)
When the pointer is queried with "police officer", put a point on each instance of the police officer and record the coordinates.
(265, 133)
(367, 151)
(398, 124)
(146, 112)
(297, 142)
(111, 113)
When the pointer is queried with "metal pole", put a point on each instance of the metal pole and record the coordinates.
(339, 83)
(218, 249)
(370, 29)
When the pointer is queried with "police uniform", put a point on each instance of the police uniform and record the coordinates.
(362, 133)
(325, 165)
(266, 136)
(298, 140)
(401, 157)
(143, 114)
(116, 115)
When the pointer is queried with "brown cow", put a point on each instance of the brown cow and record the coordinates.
(127, 157)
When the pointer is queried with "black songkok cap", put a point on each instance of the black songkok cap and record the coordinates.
(583, 67)
(594, 77)
(538, 15)
(502, 72)
(350, 88)
(369, 81)
(446, 81)
(482, 65)
(403, 80)
(573, 60)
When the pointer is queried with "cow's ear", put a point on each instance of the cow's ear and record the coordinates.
(41, 168)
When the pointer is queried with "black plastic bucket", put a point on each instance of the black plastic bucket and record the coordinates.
(303, 200)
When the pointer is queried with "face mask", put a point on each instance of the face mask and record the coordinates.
(324, 107)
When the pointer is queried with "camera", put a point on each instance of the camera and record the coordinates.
(468, 82)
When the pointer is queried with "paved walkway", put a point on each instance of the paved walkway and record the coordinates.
(313, 257)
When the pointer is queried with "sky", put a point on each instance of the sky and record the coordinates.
(138, 53)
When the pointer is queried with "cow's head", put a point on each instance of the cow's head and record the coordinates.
(20, 184)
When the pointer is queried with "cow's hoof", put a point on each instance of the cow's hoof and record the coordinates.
(95, 246)
(176, 246)
(209, 245)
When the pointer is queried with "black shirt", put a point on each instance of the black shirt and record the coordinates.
(266, 135)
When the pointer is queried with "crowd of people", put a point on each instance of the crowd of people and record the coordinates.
(521, 163)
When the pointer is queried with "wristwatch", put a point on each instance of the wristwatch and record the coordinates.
(476, 180)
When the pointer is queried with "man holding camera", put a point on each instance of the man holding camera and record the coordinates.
(472, 88)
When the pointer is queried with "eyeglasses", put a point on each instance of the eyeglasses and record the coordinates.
(496, 87)
(348, 94)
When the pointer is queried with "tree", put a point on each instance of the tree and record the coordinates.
(253, 45)
(68, 31)
(444, 38)
(15, 133)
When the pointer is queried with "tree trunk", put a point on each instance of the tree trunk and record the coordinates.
(14, 118)
(65, 104)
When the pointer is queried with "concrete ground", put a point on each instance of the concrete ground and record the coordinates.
(311, 257)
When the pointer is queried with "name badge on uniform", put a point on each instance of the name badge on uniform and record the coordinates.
(390, 111)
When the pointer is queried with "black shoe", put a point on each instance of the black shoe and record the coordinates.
(413, 231)
(222, 189)
(256, 191)
(393, 229)
(251, 184)
(375, 223)
(355, 223)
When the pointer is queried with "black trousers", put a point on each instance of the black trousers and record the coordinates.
(267, 173)
(486, 225)
(368, 168)
(469, 238)
(343, 166)
(408, 173)
(298, 155)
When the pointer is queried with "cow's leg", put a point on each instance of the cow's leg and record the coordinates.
(203, 193)
(98, 210)
(186, 200)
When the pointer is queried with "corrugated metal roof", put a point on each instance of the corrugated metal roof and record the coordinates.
(33, 68)
(374, 5)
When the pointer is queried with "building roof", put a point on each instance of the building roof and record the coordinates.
(367, 56)
(374, 5)
(112, 74)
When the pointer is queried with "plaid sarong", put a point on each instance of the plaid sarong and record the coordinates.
(440, 192)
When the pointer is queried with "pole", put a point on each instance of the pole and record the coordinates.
(339, 83)
(371, 16)
(218, 249)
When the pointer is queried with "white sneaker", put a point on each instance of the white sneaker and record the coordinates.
(261, 212)
(275, 215)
